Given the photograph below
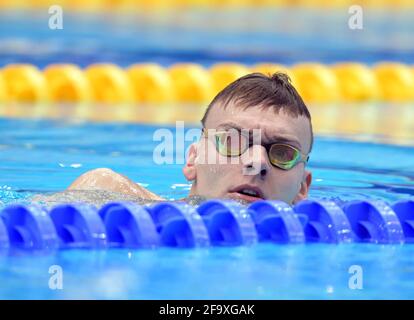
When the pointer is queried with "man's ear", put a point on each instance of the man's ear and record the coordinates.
(304, 187)
(189, 170)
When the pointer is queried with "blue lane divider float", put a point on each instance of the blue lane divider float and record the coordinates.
(405, 213)
(325, 221)
(29, 227)
(78, 226)
(374, 221)
(214, 222)
(179, 225)
(276, 222)
(128, 225)
(4, 237)
(228, 223)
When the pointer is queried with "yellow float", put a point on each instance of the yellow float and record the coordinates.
(67, 83)
(110, 84)
(191, 83)
(150, 83)
(396, 81)
(356, 82)
(24, 83)
(223, 74)
(315, 82)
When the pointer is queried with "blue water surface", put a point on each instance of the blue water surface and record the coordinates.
(280, 35)
(264, 271)
(40, 156)
(46, 156)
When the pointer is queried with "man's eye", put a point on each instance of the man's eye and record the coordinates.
(283, 153)
(233, 140)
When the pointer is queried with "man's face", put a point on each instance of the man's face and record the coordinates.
(223, 177)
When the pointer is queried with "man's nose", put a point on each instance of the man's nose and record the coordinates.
(255, 161)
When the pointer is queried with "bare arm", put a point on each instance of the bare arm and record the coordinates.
(109, 180)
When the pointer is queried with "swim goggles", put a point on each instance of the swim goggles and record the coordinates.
(234, 143)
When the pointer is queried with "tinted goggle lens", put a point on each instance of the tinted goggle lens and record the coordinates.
(284, 156)
(232, 144)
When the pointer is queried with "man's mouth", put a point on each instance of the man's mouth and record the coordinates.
(247, 193)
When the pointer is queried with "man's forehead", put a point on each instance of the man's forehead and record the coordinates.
(273, 124)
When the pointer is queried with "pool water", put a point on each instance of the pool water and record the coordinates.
(44, 156)
(41, 156)
(264, 271)
(281, 35)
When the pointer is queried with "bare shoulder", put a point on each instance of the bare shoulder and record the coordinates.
(109, 180)
(104, 185)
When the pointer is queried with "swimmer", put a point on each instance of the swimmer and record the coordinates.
(276, 171)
